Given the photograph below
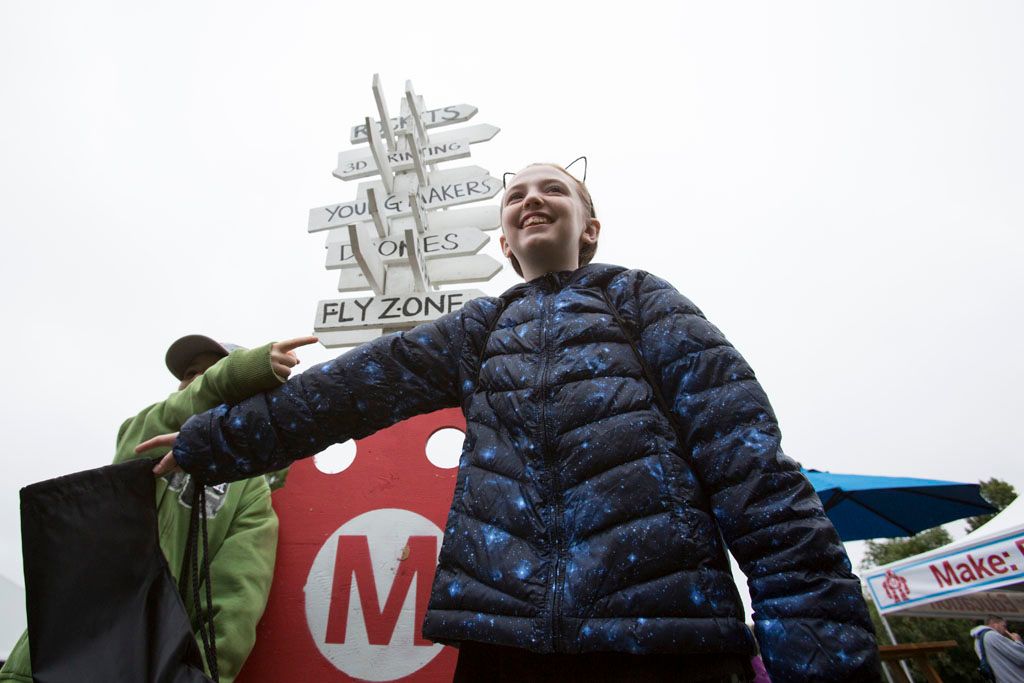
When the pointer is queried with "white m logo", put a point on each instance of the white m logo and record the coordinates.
(367, 592)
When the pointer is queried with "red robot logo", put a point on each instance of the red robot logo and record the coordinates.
(896, 588)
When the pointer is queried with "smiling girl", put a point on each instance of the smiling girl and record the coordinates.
(616, 445)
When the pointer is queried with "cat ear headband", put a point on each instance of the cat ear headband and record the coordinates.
(504, 178)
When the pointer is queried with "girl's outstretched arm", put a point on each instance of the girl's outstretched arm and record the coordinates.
(358, 393)
(811, 619)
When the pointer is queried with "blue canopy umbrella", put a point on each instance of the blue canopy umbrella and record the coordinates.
(865, 506)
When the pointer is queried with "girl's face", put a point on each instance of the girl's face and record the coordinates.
(543, 220)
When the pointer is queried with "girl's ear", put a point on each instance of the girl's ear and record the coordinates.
(591, 231)
(505, 249)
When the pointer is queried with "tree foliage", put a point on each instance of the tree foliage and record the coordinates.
(890, 550)
(997, 492)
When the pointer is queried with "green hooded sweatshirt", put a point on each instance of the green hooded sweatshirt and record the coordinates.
(242, 523)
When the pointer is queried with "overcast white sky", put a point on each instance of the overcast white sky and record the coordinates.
(836, 185)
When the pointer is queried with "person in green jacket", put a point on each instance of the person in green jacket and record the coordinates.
(242, 522)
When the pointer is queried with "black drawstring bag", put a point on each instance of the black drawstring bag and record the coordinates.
(101, 601)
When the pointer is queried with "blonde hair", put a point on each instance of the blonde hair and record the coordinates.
(587, 249)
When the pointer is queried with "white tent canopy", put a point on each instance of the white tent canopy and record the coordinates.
(960, 578)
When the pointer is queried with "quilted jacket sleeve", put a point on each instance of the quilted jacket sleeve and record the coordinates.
(369, 388)
(811, 620)
(240, 375)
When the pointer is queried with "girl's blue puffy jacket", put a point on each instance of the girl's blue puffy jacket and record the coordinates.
(616, 444)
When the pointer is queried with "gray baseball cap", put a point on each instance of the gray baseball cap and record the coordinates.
(181, 352)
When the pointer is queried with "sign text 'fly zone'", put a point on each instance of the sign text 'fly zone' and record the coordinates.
(389, 311)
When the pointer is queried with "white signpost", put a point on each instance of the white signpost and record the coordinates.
(394, 239)
(437, 195)
(445, 116)
(360, 163)
(390, 311)
(433, 244)
(440, 272)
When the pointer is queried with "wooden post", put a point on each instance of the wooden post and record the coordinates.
(374, 208)
(417, 157)
(368, 258)
(919, 654)
(380, 156)
(382, 111)
(892, 639)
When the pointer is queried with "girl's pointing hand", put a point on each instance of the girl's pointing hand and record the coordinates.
(282, 355)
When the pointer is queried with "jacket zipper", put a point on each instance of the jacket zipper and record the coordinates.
(555, 488)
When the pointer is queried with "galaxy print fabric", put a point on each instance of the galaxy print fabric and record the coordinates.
(585, 518)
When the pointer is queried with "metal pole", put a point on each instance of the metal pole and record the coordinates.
(885, 669)
(892, 639)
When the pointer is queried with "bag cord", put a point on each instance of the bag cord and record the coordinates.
(190, 564)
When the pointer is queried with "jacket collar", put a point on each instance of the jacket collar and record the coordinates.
(585, 276)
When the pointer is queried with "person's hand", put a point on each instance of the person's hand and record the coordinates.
(1016, 636)
(282, 355)
(167, 463)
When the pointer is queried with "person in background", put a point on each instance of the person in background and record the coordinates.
(1003, 649)
(242, 522)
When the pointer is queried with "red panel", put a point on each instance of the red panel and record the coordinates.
(390, 470)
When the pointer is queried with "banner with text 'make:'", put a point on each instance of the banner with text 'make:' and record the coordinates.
(959, 570)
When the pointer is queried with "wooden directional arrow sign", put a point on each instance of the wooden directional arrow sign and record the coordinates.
(359, 163)
(459, 190)
(432, 118)
(441, 271)
(445, 146)
(462, 269)
(389, 311)
(433, 244)
(480, 132)
(339, 338)
(480, 217)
